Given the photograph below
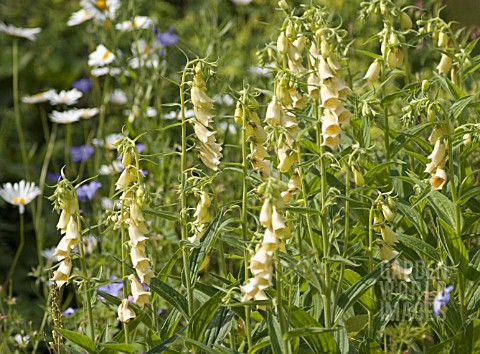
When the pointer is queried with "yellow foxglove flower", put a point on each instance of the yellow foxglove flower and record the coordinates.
(125, 313)
(137, 236)
(313, 83)
(324, 70)
(140, 296)
(60, 276)
(274, 112)
(278, 223)
(437, 156)
(202, 132)
(373, 72)
(388, 235)
(329, 96)
(387, 213)
(266, 213)
(63, 221)
(445, 64)
(439, 179)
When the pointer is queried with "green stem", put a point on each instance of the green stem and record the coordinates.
(458, 222)
(124, 267)
(85, 279)
(17, 254)
(281, 316)
(16, 109)
(183, 166)
(323, 217)
(244, 220)
(370, 267)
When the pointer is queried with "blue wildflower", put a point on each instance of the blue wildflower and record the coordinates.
(87, 191)
(166, 38)
(54, 177)
(81, 153)
(84, 84)
(111, 288)
(68, 312)
(442, 299)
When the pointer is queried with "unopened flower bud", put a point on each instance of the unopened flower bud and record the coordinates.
(373, 72)
(445, 64)
(358, 177)
(283, 5)
(387, 213)
(425, 86)
(405, 21)
(442, 39)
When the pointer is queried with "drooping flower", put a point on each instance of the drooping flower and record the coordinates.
(167, 38)
(20, 193)
(83, 84)
(125, 313)
(28, 33)
(39, 97)
(441, 300)
(87, 191)
(86, 113)
(100, 57)
(81, 153)
(65, 117)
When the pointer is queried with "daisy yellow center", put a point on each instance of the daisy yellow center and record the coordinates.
(101, 4)
(17, 200)
(105, 55)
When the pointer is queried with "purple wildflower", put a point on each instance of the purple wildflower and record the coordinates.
(54, 177)
(68, 312)
(81, 153)
(442, 299)
(111, 288)
(87, 191)
(166, 38)
(140, 147)
(84, 84)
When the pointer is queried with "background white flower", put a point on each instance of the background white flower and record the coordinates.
(20, 193)
(65, 117)
(101, 56)
(28, 33)
(66, 97)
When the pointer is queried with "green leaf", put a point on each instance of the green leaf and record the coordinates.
(455, 247)
(275, 334)
(419, 246)
(170, 324)
(320, 342)
(413, 216)
(201, 318)
(219, 327)
(172, 296)
(207, 242)
(370, 54)
(443, 207)
(349, 297)
(199, 345)
(79, 339)
(458, 107)
(166, 344)
(118, 347)
(467, 194)
(163, 214)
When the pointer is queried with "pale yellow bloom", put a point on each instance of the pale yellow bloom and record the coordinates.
(125, 313)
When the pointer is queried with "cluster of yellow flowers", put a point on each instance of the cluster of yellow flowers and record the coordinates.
(209, 150)
(202, 216)
(437, 165)
(324, 82)
(66, 201)
(382, 216)
(133, 199)
(255, 134)
(261, 264)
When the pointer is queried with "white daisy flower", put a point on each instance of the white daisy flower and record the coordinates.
(65, 117)
(66, 97)
(28, 33)
(105, 71)
(145, 54)
(20, 193)
(101, 56)
(139, 22)
(39, 97)
(118, 97)
(86, 113)
(79, 17)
